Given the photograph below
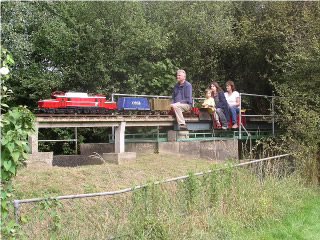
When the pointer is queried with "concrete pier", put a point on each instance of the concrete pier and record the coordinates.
(119, 137)
(120, 158)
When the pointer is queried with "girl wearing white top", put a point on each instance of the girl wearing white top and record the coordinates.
(233, 99)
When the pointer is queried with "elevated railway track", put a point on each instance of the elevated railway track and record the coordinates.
(68, 120)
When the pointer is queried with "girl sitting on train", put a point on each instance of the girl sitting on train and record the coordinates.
(222, 108)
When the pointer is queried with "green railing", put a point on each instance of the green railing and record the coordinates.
(255, 134)
(195, 136)
(222, 135)
(142, 137)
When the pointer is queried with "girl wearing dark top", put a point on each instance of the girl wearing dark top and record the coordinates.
(222, 107)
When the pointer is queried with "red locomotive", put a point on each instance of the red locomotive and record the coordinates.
(76, 102)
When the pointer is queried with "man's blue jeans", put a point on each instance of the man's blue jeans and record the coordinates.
(234, 110)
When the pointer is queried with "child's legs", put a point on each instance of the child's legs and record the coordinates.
(222, 117)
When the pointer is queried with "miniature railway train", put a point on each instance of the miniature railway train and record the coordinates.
(82, 103)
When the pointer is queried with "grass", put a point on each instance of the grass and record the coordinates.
(303, 223)
(99, 178)
(229, 204)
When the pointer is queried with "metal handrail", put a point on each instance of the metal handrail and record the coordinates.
(63, 140)
(151, 96)
(248, 115)
(257, 95)
(190, 136)
(142, 137)
(66, 140)
(272, 115)
(137, 95)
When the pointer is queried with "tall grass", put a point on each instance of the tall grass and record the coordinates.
(220, 205)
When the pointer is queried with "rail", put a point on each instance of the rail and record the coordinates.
(222, 135)
(58, 140)
(66, 140)
(137, 95)
(148, 96)
(272, 115)
(17, 202)
(142, 137)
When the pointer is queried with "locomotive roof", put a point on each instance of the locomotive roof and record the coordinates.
(80, 94)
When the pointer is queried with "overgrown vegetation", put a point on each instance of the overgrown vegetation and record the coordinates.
(16, 124)
(226, 204)
(300, 120)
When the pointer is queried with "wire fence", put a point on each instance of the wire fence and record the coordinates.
(97, 215)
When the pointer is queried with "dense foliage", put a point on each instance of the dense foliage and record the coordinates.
(300, 117)
(136, 47)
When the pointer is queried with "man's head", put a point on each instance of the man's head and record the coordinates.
(181, 76)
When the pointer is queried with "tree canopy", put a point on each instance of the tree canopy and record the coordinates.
(136, 47)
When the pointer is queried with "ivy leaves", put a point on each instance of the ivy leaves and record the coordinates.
(16, 124)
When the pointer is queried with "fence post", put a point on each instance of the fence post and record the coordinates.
(261, 172)
(272, 101)
(240, 122)
(146, 203)
(16, 209)
(76, 139)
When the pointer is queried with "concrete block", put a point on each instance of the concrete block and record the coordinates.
(141, 147)
(40, 160)
(219, 149)
(145, 147)
(183, 134)
(169, 147)
(120, 158)
(89, 148)
(130, 147)
(172, 136)
(227, 149)
(191, 149)
(208, 150)
(76, 160)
